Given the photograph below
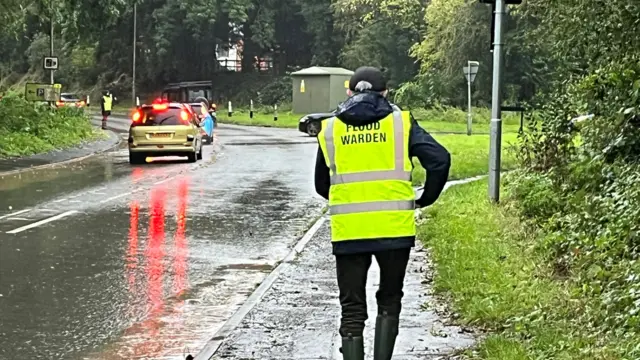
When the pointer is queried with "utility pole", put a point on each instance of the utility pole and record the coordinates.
(496, 102)
(135, 26)
(51, 35)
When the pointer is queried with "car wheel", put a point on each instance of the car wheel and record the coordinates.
(192, 157)
(136, 158)
(313, 128)
(199, 157)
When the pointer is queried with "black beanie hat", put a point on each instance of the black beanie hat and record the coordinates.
(368, 74)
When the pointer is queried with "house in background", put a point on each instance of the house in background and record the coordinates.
(230, 58)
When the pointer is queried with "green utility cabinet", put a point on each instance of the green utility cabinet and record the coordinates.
(319, 89)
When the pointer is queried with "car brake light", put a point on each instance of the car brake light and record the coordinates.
(81, 103)
(160, 107)
(136, 116)
(184, 116)
(59, 103)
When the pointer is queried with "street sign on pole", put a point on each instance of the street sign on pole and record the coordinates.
(42, 92)
(496, 103)
(470, 72)
(50, 63)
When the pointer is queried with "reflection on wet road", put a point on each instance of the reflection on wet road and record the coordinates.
(102, 260)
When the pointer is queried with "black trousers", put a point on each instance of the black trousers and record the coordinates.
(352, 280)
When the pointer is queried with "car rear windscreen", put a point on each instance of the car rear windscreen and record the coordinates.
(166, 117)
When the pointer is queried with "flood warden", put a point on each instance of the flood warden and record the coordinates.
(368, 137)
(372, 203)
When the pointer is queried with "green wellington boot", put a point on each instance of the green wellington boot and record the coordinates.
(352, 348)
(385, 340)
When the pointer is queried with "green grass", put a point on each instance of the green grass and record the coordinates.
(469, 155)
(437, 124)
(487, 267)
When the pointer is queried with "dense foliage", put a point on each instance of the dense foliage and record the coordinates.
(422, 44)
(27, 128)
(580, 183)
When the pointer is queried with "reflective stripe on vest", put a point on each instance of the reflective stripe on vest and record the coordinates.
(400, 154)
(369, 204)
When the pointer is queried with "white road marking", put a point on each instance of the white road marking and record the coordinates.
(60, 200)
(14, 214)
(18, 218)
(114, 197)
(42, 222)
(164, 181)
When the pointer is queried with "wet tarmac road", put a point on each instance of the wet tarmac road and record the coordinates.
(104, 260)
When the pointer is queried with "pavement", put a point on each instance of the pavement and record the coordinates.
(298, 316)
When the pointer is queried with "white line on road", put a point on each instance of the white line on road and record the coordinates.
(42, 222)
(114, 197)
(163, 181)
(60, 200)
(14, 214)
(18, 219)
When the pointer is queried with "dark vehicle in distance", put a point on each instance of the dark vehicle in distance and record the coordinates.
(189, 92)
(311, 124)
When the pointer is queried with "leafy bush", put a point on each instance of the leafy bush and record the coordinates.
(28, 128)
(279, 91)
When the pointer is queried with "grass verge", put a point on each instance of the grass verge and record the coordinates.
(487, 264)
(469, 156)
(433, 123)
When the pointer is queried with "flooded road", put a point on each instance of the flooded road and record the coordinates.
(104, 260)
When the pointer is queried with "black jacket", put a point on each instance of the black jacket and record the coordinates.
(366, 108)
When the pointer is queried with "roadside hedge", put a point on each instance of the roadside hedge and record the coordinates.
(28, 128)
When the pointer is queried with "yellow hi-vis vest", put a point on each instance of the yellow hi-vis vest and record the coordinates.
(371, 196)
(108, 102)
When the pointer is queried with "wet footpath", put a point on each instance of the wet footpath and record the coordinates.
(298, 317)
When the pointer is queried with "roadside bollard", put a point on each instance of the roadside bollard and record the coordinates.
(230, 110)
(251, 110)
(275, 112)
(137, 102)
(88, 100)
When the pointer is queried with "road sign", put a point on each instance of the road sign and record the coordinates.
(471, 70)
(42, 92)
(50, 63)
